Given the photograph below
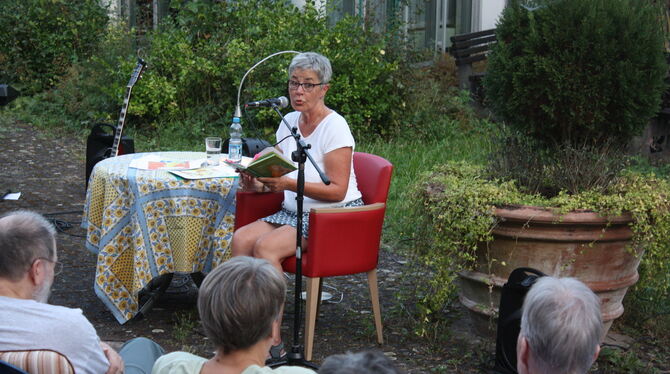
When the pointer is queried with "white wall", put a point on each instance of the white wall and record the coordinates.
(114, 7)
(319, 4)
(490, 13)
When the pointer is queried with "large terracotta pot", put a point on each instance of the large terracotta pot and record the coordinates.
(582, 245)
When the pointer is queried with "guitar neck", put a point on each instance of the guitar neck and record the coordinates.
(137, 73)
(122, 121)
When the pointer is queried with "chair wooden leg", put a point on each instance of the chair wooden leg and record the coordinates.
(318, 306)
(374, 297)
(312, 301)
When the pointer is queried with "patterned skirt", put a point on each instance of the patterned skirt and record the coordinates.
(287, 217)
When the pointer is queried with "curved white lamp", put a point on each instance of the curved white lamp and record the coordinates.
(238, 111)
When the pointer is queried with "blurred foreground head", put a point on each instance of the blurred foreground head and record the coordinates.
(368, 362)
(238, 302)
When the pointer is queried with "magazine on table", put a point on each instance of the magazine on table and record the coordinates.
(220, 171)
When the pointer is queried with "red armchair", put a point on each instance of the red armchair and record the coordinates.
(341, 241)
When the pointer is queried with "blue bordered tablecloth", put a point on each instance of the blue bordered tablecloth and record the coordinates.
(146, 223)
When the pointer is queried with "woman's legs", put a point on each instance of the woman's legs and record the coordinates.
(277, 245)
(139, 355)
(244, 238)
(264, 240)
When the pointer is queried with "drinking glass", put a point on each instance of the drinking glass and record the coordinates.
(213, 149)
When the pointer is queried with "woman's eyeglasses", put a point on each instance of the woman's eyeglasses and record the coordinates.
(308, 87)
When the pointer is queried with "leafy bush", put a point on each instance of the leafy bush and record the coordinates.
(434, 104)
(89, 92)
(577, 71)
(197, 59)
(41, 39)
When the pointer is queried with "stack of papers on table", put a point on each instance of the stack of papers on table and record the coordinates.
(220, 171)
(187, 169)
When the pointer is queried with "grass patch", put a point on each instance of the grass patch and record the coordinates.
(185, 326)
(413, 157)
(612, 360)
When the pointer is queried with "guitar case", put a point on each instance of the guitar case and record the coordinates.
(99, 141)
(509, 317)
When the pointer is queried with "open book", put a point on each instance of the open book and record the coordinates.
(268, 163)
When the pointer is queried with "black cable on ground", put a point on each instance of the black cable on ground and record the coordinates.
(60, 225)
(61, 213)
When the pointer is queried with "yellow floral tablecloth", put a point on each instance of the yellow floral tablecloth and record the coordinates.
(146, 223)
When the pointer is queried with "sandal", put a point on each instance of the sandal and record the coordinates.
(277, 353)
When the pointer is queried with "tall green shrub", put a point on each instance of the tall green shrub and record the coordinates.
(40, 39)
(577, 71)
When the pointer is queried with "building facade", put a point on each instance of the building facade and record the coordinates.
(428, 24)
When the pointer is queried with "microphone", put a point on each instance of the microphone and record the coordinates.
(280, 101)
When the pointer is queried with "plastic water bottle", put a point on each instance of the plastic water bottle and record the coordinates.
(235, 142)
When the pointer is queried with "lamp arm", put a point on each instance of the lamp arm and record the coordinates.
(238, 111)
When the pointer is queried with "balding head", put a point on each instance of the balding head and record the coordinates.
(24, 236)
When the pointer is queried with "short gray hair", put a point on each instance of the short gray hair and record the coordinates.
(24, 236)
(368, 362)
(312, 61)
(239, 300)
(562, 323)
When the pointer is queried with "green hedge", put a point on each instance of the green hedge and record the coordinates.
(197, 59)
(41, 39)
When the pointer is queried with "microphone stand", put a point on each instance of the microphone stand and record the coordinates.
(300, 155)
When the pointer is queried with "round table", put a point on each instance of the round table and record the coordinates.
(146, 223)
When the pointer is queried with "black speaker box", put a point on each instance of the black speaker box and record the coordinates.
(7, 94)
(99, 141)
(250, 146)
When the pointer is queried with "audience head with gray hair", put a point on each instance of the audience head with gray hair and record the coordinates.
(368, 362)
(561, 327)
(27, 255)
(240, 302)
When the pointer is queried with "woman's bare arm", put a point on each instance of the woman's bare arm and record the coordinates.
(337, 165)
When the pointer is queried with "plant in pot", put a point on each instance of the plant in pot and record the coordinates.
(571, 82)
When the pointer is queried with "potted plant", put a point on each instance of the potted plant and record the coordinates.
(571, 82)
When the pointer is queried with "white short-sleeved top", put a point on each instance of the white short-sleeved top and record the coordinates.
(330, 134)
(187, 363)
(31, 325)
